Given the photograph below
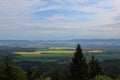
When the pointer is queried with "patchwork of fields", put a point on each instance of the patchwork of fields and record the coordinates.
(66, 53)
(53, 55)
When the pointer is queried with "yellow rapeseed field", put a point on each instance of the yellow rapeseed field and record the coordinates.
(39, 52)
(58, 52)
(36, 52)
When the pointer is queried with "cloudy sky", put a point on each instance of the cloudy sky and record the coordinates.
(59, 19)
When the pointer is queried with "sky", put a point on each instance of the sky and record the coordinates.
(59, 19)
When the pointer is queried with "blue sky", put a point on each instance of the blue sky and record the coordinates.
(59, 19)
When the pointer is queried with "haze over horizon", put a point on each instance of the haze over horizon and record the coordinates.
(59, 19)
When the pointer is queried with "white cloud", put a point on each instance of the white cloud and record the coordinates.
(19, 7)
(70, 1)
(99, 10)
(15, 16)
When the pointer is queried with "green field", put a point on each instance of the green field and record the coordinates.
(57, 55)
(46, 55)
(103, 56)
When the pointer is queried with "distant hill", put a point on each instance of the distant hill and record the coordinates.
(72, 41)
(59, 40)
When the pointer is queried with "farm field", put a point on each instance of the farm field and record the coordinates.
(45, 55)
(57, 52)
(47, 51)
(103, 56)
(59, 55)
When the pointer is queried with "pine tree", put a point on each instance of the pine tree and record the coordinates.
(94, 68)
(78, 68)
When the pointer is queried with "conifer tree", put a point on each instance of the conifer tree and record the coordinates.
(78, 68)
(94, 68)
